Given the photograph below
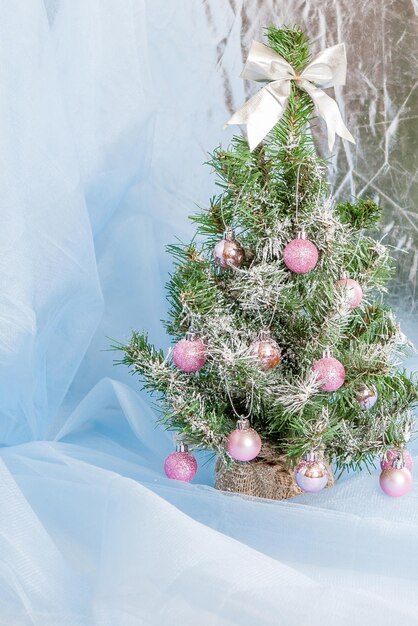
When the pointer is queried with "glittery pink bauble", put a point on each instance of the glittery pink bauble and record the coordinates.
(180, 466)
(268, 353)
(396, 482)
(311, 476)
(330, 373)
(354, 290)
(190, 354)
(391, 455)
(243, 445)
(300, 256)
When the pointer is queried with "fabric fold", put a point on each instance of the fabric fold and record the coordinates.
(106, 113)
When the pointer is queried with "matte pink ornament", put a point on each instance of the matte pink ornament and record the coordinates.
(190, 354)
(243, 443)
(392, 455)
(300, 255)
(396, 481)
(354, 291)
(330, 372)
(180, 465)
(311, 475)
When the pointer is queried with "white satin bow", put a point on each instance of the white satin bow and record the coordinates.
(261, 112)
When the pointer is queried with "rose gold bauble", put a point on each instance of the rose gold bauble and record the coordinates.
(267, 351)
(228, 252)
(366, 396)
(311, 474)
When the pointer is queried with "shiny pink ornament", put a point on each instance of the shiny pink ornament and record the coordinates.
(396, 481)
(330, 373)
(243, 443)
(392, 455)
(311, 475)
(189, 354)
(180, 465)
(354, 291)
(300, 255)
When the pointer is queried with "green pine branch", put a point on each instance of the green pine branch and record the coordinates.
(267, 195)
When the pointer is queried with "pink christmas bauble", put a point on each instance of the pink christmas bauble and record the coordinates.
(243, 444)
(330, 373)
(190, 355)
(311, 476)
(396, 482)
(391, 455)
(300, 256)
(180, 466)
(354, 291)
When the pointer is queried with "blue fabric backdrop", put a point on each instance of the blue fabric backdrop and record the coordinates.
(107, 111)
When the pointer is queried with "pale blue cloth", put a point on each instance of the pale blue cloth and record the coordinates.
(102, 133)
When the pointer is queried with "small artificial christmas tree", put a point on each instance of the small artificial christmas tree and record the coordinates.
(285, 356)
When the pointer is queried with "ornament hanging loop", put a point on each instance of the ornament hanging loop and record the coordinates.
(398, 462)
(243, 423)
(182, 447)
(264, 335)
(310, 456)
(241, 418)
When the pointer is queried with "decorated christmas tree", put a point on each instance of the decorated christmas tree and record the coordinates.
(286, 359)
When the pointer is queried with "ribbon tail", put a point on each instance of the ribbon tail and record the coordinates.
(328, 109)
(261, 112)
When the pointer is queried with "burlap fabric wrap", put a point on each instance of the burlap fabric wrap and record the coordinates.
(268, 476)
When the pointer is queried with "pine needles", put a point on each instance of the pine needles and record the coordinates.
(267, 195)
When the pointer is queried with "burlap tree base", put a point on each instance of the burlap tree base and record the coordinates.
(268, 476)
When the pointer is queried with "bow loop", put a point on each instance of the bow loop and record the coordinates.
(265, 65)
(328, 68)
(319, 73)
(265, 109)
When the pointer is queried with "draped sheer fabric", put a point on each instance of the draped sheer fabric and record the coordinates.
(107, 110)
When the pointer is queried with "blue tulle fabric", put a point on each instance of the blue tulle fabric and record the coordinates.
(104, 124)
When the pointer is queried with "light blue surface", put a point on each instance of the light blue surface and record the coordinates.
(101, 151)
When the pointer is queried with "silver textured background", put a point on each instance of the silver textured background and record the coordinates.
(180, 82)
(379, 102)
